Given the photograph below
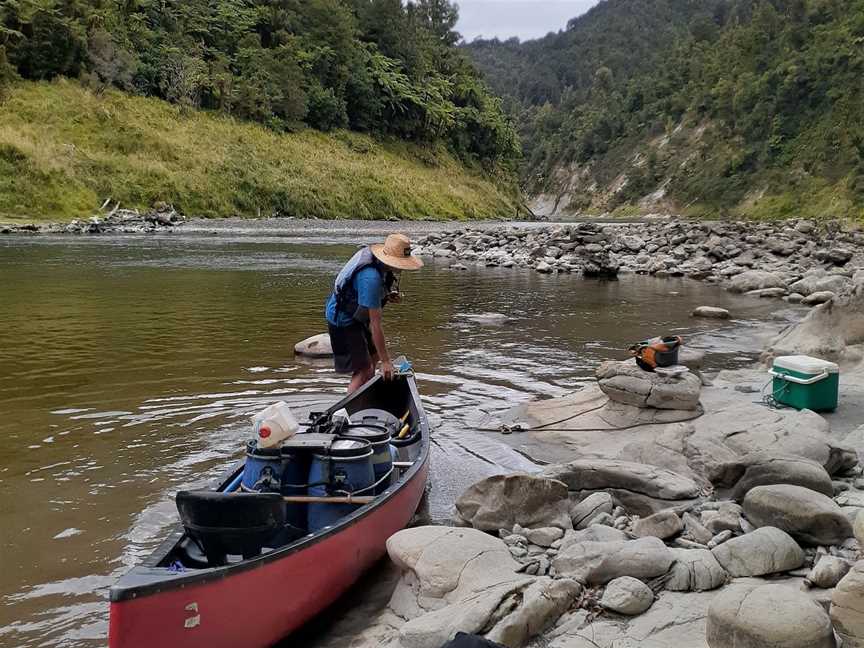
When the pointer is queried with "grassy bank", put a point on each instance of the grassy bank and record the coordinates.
(64, 150)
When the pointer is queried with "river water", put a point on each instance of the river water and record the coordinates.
(129, 366)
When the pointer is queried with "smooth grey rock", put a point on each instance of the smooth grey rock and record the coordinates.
(596, 533)
(317, 346)
(767, 616)
(625, 382)
(444, 565)
(543, 268)
(847, 607)
(710, 312)
(767, 293)
(808, 516)
(833, 331)
(641, 488)
(514, 539)
(539, 605)
(819, 297)
(603, 519)
(627, 595)
(695, 529)
(828, 571)
(583, 512)
(695, 570)
(720, 538)
(726, 518)
(597, 563)
(544, 536)
(735, 478)
(504, 500)
(858, 527)
(765, 551)
(757, 280)
(663, 525)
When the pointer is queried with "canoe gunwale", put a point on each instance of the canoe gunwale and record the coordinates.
(139, 581)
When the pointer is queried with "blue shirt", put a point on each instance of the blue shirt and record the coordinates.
(369, 285)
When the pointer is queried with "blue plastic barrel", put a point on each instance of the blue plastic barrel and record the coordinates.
(262, 472)
(346, 469)
(295, 475)
(382, 452)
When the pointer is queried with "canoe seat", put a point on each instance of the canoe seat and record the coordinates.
(234, 523)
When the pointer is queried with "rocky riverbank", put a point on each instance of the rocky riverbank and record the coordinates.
(673, 511)
(797, 260)
(116, 221)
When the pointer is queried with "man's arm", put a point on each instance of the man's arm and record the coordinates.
(380, 342)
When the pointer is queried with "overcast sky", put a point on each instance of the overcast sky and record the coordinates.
(523, 18)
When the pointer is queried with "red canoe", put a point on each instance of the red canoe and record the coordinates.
(258, 601)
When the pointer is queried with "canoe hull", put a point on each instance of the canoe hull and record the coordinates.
(259, 606)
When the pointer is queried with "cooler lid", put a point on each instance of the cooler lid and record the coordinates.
(805, 364)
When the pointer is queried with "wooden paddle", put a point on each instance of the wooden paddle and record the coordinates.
(311, 499)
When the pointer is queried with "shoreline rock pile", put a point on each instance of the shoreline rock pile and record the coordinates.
(799, 260)
(739, 526)
(118, 221)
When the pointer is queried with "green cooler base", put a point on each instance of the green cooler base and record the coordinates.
(821, 396)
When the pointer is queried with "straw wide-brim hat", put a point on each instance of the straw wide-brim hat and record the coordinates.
(396, 253)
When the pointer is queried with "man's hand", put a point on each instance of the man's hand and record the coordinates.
(387, 369)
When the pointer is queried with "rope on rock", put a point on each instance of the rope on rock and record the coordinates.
(509, 429)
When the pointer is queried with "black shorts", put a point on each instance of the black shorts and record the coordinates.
(353, 348)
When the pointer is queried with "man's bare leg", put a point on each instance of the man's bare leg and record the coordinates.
(360, 378)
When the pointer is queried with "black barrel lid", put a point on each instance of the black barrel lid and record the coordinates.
(345, 447)
(373, 434)
(374, 416)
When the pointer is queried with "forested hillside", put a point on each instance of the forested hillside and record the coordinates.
(368, 65)
(735, 106)
(379, 67)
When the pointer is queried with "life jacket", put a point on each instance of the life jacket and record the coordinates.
(343, 287)
(657, 352)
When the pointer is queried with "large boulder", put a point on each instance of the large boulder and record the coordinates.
(819, 281)
(317, 346)
(500, 501)
(764, 551)
(757, 280)
(446, 565)
(628, 596)
(589, 508)
(733, 479)
(663, 525)
(458, 579)
(809, 517)
(640, 488)
(732, 427)
(597, 563)
(533, 610)
(833, 331)
(828, 571)
(593, 533)
(767, 616)
(710, 312)
(626, 383)
(847, 607)
(695, 570)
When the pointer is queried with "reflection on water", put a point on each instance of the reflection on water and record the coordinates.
(130, 366)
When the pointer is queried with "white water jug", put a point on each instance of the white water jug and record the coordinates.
(274, 424)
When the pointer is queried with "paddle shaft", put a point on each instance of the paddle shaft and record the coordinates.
(311, 499)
